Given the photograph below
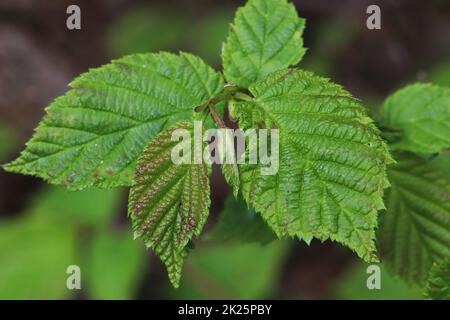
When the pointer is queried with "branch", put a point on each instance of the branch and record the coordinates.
(216, 117)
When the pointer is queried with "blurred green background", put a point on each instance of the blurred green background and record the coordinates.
(44, 229)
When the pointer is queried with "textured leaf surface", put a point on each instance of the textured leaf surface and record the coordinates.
(421, 114)
(266, 36)
(239, 223)
(169, 203)
(331, 161)
(438, 285)
(415, 230)
(94, 134)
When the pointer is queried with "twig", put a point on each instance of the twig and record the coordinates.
(216, 117)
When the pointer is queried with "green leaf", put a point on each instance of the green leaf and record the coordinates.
(94, 134)
(331, 161)
(169, 202)
(266, 36)
(438, 285)
(442, 162)
(239, 223)
(114, 266)
(415, 230)
(420, 113)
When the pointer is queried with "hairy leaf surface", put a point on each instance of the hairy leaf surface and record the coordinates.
(94, 134)
(331, 161)
(420, 113)
(414, 232)
(169, 202)
(266, 36)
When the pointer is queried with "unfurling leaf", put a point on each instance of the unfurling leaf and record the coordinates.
(419, 116)
(266, 36)
(414, 232)
(331, 161)
(169, 202)
(94, 134)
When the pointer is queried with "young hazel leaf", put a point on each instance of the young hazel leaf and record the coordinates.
(414, 232)
(94, 134)
(421, 115)
(169, 202)
(438, 284)
(266, 36)
(331, 161)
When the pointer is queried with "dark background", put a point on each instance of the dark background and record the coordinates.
(38, 58)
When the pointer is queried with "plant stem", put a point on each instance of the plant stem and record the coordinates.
(216, 117)
(226, 94)
(242, 96)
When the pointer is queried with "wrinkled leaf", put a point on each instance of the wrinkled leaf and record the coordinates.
(438, 285)
(414, 232)
(266, 36)
(169, 202)
(332, 162)
(94, 134)
(419, 116)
